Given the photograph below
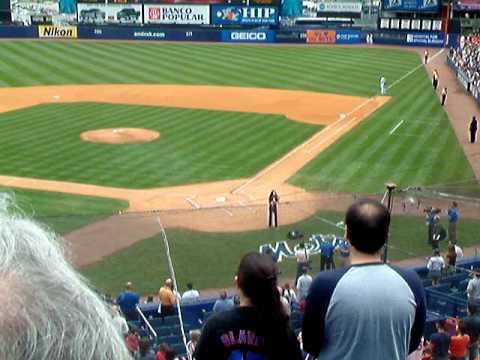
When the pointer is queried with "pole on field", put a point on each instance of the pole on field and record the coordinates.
(390, 188)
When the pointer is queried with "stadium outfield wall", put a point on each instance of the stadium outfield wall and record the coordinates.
(155, 33)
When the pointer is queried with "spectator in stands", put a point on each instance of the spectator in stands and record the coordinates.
(289, 294)
(326, 256)
(259, 328)
(302, 256)
(48, 311)
(128, 301)
(471, 327)
(149, 299)
(440, 342)
(191, 295)
(473, 289)
(459, 343)
(346, 306)
(224, 303)
(459, 252)
(167, 299)
(192, 344)
(165, 352)
(119, 322)
(451, 258)
(452, 222)
(344, 249)
(133, 342)
(145, 352)
(435, 266)
(303, 285)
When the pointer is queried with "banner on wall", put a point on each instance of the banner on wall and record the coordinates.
(348, 37)
(57, 32)
(244, 15)
(109, 13)
(248, 36)
(177, 14)
(411, 5)
(322, 8)
(434, 39)
(321, 36)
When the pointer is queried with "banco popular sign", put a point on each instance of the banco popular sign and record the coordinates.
(57, 32)
(177, 14)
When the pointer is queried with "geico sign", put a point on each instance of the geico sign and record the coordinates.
(249, 36)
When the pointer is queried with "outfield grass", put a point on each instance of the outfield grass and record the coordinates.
(63, 212)
(423, 151)
(194, 145)
(210, 259)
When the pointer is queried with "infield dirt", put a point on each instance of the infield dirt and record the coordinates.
(236, 205)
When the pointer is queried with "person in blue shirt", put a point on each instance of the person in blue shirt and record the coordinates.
(453, 215)
(326, 256)
(128, 301)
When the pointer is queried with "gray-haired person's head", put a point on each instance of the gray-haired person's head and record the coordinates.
(47, 309)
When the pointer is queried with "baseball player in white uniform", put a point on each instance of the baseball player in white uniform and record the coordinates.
(382, 85)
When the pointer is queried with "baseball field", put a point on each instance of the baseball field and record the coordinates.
(192, 137)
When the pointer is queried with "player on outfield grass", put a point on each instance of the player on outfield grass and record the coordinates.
(382, 85)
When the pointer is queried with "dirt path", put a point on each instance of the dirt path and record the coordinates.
(303, 106)
(460, 107)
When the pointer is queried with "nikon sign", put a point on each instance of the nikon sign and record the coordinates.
(177, 14)
(57, 32)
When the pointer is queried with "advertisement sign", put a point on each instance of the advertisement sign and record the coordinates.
(177, 14)
(57, 32)
(348, 37)
(321, 36)
(412, 5)
(384, 23)
(405, 24)
(248, 36)
(434, 39)
(467, 5)
(319, 8)
(244, 15)
(291, 36)
(109, 13)
(146, 33)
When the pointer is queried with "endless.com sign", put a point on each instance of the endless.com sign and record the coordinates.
(248, 36)
(57, 32)
(244, 15)
(177, 14)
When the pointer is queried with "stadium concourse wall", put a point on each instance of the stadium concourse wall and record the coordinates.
(155, 33)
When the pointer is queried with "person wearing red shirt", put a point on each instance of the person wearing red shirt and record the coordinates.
(459, 344)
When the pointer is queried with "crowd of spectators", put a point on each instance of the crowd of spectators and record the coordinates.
(353, 303)
(467, 57)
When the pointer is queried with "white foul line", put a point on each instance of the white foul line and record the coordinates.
(396, 127)
(413, 70)
(193, 202)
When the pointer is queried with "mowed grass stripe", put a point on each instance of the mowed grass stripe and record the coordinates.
(176, 158)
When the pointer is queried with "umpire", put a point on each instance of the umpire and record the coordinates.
(273, 200)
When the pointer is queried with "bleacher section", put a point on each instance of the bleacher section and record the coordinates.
(448, 299)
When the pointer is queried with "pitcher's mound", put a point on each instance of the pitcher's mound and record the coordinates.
(119, 136)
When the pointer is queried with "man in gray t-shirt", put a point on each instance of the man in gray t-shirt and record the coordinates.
(473, 289)
(369, 310)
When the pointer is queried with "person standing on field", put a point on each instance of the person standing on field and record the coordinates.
(435, 79)
(273, 200)
(425, 57)
(473, 130)
(382, 85)
(444, 95)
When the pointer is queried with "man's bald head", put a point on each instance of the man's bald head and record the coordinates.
(367, 224)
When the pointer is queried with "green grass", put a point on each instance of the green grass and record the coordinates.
(210, 259)
(194, 145)
(63, 212)
(423, 151)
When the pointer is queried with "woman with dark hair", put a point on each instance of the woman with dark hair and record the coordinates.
(258, 328)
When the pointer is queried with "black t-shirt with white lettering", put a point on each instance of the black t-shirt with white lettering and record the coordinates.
(236, 335)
